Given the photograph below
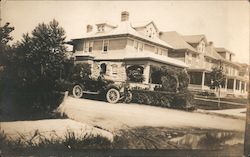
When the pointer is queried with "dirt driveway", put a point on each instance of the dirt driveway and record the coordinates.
(120, 116)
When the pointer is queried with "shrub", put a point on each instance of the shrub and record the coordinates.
(163, 99)
(62, 85)
(183, 101)
(135, 73)
(81, 71)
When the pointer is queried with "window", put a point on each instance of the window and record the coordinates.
(156, 50)
(103, 68)
(140, 47)
(161, 52)
(237, 85)
(88, 46)
(91, 46)
(105, 45)
(135, 44)
(100, 28)
(114, 69)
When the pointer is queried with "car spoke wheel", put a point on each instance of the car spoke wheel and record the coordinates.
(128, 97)
(77, 91)
(113, 95)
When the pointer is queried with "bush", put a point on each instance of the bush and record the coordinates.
(163, 99)
(81, 71)
(63, 85)
(183, 101)
(135, 73)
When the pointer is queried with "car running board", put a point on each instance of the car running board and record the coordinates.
(88, 92)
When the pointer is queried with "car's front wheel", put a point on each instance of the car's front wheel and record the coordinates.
(113, 95)
(77, 91)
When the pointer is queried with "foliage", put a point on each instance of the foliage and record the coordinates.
(183, 78)
(5, 39)
(172, 80)
(217, 77)
(81, 71)
(70, 141)
(33, 67)
(135, 73)
(169, 78)
(163, 99)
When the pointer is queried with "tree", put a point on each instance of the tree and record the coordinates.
(42, 55)
(217, 79)
(35, 64)
(5, 39)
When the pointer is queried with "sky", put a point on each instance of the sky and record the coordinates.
(226, 23)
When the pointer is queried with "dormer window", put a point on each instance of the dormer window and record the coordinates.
(100, 28)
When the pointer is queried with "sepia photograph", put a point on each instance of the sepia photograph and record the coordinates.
(124, 78)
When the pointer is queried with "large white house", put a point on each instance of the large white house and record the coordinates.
(119, 47)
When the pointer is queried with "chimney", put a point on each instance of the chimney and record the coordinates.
(124, 16)
(89, 28)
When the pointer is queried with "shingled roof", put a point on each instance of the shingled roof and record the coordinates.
(222, 49)
(176, 40)
(212, 53)
(124, 28)
(193, 39)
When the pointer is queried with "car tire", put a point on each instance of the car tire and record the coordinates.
(77, 91)
(113, 95)
(128, 97)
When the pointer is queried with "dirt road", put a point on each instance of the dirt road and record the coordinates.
(119, 116)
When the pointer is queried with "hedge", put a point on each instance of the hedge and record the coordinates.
(163, 99)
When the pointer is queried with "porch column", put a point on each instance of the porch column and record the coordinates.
(234, 86)
(203, 80)
(146, 73)
(240, 86)
(226, 85)
(245, 89)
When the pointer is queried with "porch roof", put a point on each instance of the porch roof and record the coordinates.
(142, 55)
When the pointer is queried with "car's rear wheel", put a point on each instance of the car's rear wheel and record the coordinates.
(77, 91)
(113, 95)
(128, 97)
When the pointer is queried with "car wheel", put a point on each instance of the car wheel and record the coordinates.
(128, 97)
(113, 95)
(77, 91)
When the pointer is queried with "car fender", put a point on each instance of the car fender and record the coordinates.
(113, 86)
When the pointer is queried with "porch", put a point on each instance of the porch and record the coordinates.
(235, 86)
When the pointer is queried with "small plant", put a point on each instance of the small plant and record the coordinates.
(71, 140)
